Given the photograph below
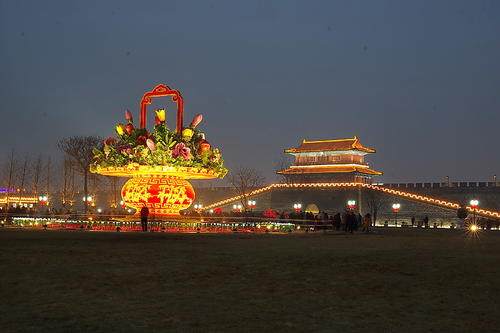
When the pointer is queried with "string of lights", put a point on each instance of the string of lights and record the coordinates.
(399, 193)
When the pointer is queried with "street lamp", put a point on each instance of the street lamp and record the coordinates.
(473, 204)
(297, 207)
(43, 200)
(87, 200)
(251, 204)
(198, 207)
(395, 208)
(351, 204)
(237, 208)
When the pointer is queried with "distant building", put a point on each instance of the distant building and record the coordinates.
(330, 161)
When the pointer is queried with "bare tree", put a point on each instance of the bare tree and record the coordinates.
(79, 149)
(37, 171)
(12, 163)
(375, 202)
(244, 180)
(23, 178)
(66, 192)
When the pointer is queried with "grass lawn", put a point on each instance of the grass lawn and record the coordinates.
(390, 281)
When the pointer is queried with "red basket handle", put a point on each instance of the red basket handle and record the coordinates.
(159, 91)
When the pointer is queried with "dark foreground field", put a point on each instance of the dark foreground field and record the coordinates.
(391, 281)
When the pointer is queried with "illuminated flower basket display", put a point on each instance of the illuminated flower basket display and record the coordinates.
(160, 161)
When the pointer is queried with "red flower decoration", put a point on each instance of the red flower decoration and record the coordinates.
(141, 140)
(129, 129)
(109, 141)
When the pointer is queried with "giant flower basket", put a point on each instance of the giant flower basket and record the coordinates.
(160, 161)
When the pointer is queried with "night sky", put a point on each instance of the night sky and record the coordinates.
(419, 81)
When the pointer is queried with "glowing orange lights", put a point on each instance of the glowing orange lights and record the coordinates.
(19, 199)
(473, 228)
(164, 196)
(407, 195)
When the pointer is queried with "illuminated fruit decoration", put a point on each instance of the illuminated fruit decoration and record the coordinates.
(204, 146)
(163, 195)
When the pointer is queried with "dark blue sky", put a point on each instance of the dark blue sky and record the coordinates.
(417, 80)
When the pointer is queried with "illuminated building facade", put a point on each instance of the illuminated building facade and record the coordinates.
(330, 161)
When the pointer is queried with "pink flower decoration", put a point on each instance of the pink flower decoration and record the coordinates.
(180, 149)
(151, 145)
(196, 120)
(128, 116)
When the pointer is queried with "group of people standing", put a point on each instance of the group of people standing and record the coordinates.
(350, 221)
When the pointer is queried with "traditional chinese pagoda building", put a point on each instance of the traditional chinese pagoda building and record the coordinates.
(330, 161)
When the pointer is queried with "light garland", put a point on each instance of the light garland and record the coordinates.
(407, 195)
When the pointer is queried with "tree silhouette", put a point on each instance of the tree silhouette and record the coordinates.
(79, 149)
(244, 180)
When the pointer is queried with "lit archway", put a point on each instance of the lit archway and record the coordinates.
(312, 208)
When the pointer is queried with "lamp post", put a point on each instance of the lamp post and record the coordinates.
(351, 204)
(297, 207)
(473, 204)
(395, 208)
(251, 204)
(198, 207)
(43, 200)
(87, 200)
(237, 208)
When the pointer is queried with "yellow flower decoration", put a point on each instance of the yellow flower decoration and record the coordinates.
(120, 129)
(187, 133)
(160, 113)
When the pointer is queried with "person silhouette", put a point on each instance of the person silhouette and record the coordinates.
(144, 218)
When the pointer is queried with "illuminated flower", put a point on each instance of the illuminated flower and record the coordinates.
(129, 128)
(151, 145)
(187, 133)
(128, 116)
(120, 129)
(196, 120)
(180, 149)
(109, 141)
(216, 154)
(141, 140)
(160, 113)
(157, 121)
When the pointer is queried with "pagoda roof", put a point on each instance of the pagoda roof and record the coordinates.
(329, 169)
(330, 145)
